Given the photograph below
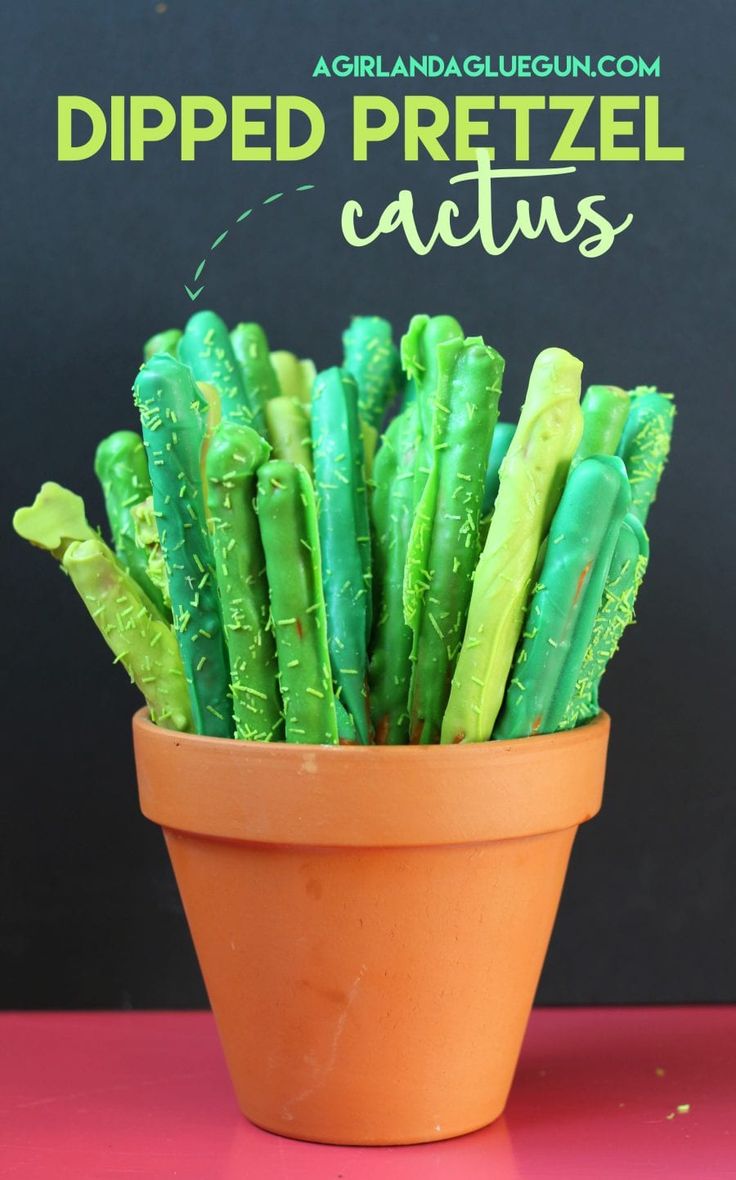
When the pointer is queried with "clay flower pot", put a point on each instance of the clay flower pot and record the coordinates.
(371, 922)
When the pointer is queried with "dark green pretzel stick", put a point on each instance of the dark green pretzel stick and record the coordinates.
(166, 341)
(173, 417)
(122, 469)
(258, 374)
(287, 517)
(419, 360)
(234, 456)
(370, 355)
(500, 444)
(559, 622)
(206, 348)
(392, 506)
(605, 410)
(444, 544)
(344, 534)
(645, 445)
(615, 613)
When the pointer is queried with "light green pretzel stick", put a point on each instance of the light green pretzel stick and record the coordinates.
(295, 377)
(419, 360)
(258, 374)
(370, 355)
(234, 456)
(344, 534)
(289, 431)
(206, 348)
(166, 341)
(532, 477)
(287, 516)
(615, 613)
(605, 410)
(563, 607)
(443, 546)
(121, 468)
(132, 628)
(392, 505)
(147, 539)
(645, 445)
(139, 638)
(173, 416)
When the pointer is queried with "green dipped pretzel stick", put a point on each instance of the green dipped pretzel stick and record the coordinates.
(288, 429)
(234, 456)
(370, 355)
(443, 546)
(121, 468)
(563, 607)
(206, 348)
(166, 341)
(287, 516)
(615, 613)
(645, 445)
(295, 377)
(147, 539)
(173, 416)
(532, 477)
(500, 444)
(605, 410)
(392, 505)
(259, 376)
(344, 534)
(139, 638)
(419, 361)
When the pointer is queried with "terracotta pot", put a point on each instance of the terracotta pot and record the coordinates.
(370, 922)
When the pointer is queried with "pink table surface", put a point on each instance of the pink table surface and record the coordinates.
(104, 1095)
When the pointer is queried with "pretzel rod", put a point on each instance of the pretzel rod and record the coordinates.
(206, 348)
(258, 374)
(559, 622)
(371, 357)
(121, 468)
(645, 445)
(344, 534)
(605, 410)
(287, 515)
(173, 415)
(235, 454)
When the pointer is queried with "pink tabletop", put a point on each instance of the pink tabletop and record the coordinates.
(146, 1095)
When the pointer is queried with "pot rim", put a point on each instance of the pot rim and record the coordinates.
(369, 796)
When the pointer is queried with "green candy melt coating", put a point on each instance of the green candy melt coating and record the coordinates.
(645, 445)
(122, 469)
(289, 431)
(532, 477)
(392, 505)
(344, 532)
(500, 444)
(563, 607)
(139, 638)
(206, 348)
(615, 613)
(295, 377)
(173, 416)
(146, 538)
(54, 519)
(419, 361)
(287, 516)
(235, 453)
(443, 546)
(166, 341)
(605, 410)
(370, 355)
(258, 374)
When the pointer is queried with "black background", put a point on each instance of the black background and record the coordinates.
(95, 259)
